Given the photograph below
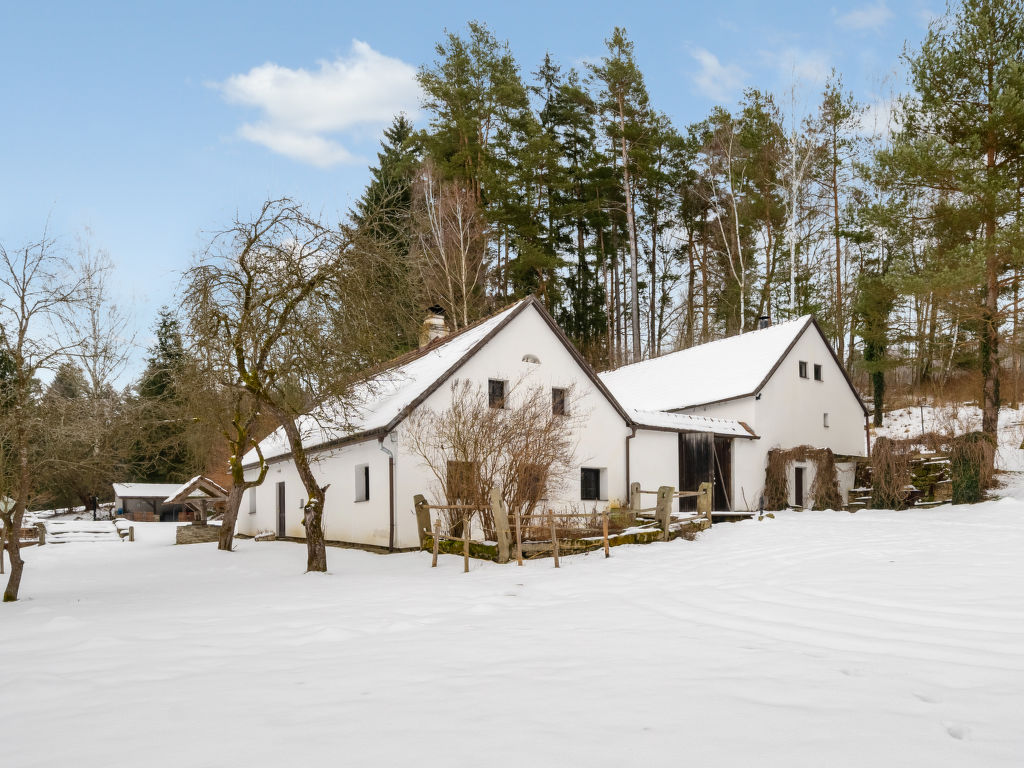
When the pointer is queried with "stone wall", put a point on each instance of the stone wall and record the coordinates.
(196, 534)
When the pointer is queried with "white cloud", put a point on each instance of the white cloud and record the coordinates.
(866, 17)
(809, 66)
(879, 118)
(306, 114)
(714, 79)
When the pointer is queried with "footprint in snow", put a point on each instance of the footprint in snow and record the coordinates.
(958, 731)
(925, 698)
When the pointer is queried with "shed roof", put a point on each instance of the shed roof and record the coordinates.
(144, 490)
(198, 488)
(684, 422)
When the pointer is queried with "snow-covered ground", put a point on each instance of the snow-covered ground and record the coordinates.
(814, 639)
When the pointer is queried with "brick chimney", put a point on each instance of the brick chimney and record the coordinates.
(433, 326)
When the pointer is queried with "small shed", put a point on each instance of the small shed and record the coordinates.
(147, 502)
(199, 496)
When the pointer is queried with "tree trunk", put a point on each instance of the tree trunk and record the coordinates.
(990, 317)
(634, 258)
(227, 528)
(313, 512)
(17, 518)
(840, 336)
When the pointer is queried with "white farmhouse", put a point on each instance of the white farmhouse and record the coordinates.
(373, 474)
(784, 382)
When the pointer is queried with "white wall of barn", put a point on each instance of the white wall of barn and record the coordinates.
(791, 412)
(600, 445)
(654, 461)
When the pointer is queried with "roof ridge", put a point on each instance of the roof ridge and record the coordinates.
(803, 320)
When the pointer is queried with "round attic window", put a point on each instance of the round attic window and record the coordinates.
(531, 359)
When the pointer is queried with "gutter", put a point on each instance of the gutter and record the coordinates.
(628, 438)
(391, 493)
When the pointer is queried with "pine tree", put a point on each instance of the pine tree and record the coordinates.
(963, 138)
(161, 452)
(624, 99)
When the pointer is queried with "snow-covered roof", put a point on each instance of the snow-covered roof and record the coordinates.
(199, 487)
(144, 490)
(382, 399)
(686, 423)
(719, 370)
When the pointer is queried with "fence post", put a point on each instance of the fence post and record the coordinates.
(500, 524)
(422, 517)
(664, 508)
(704, 497)
(131, 533)
(41, 531)
(519, 536)
(634, 498)
(554, 536)
(465, 541)
(437, 541)
(604, 525)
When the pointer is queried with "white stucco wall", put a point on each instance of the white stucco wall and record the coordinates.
(790, 412)
(654, 461)
(601, 445)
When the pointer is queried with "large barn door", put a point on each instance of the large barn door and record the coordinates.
(723, 475)
(696, 465)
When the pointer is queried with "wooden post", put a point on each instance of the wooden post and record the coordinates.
(437, 539)
(500, 525)
(704, 497)
(422, 517)
(604, 525)
(41, 530)
(131, 533)
(519, 537)
(634, 498)
(554, 537)
(664, 508)
(465, 542)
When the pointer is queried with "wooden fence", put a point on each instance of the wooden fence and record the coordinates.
(506, 522)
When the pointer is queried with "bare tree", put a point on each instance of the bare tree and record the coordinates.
(526, 449)
(274, 302)
(38, 287)
(448, 245)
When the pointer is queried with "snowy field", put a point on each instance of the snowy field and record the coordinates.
(815, 639)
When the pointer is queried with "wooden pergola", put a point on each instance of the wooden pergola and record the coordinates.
(199, 494)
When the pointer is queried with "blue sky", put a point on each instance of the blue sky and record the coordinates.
(153, 123)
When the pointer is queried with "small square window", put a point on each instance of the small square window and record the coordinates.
(590, 484)
(803, 369)
(825, 421)
(363, 482)
(817, 372)
(496, 393)
(558, 401)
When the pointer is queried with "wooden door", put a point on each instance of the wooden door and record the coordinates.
(280, 509)
(696, 465)
(723, 500)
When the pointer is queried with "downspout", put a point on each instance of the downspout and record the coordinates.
(391, 493)
(628, 438)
